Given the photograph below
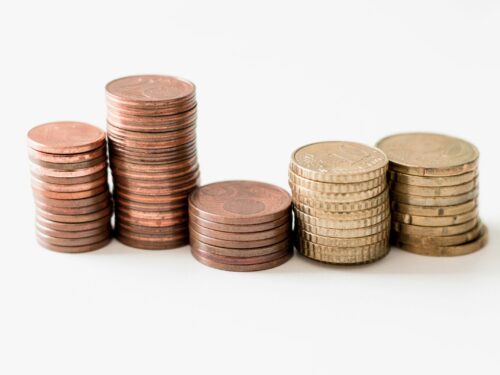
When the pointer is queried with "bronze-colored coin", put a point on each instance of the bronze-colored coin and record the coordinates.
(173, 229)
(76, 234)
(65, 137)
(73, 241)
(240, 260)
(73, 227)
(335, 188)
(152, 245)
(285, 245)
(242, 268)
(175, 157)
(427, 154)
(152, 145)
(105, 212)
(71, 180)
(173, 190)
(150, 207)
(74, 249)
(242, 237)
(157, 215)
(302, 217)
(73, 203)
(38, 170)
(130, 167)
(344, 233)
(146, 174)
(73, 210)
(152, 123)
(434, 211)
(240, 202)
(70, 166)
(73, 195)
(346, 255)
(419, 240)
(171, 184)
(418, 200)
(142, 136)
(67, 158)
(41, 185)
(336, 198)
(343, 215)
(162, 221)
(153, 199)
(461, 249)
(448, 230)
(442, 191)
(248, 228)
(161, 227)
(344, 242)
(429, 221)
(237, 244)
(121, 110)
(151, 153)
(436, 181)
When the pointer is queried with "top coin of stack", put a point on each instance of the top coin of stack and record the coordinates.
(434, 191)
(340, 201)
(69, 180)
(152, 139)
(240, 225)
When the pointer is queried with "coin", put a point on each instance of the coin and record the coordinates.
(342, 206)
(434, 221)
(434, 211)
(73, 203)
(419, 240)
(242, 268)
(105, 212)
(324, 187)
(67, 158)
(147, 243)
(343, 215)
(38, 170)
(248, 228)
(419, 200)
(82, 241)
(242, 253)
(73, 210)
(72, 195)
(240, 260)
(443, 191)
(139, 229)
(448, 230)
(70, 180)
(74, 249)
(235, 243)
(433, 181)
(69, 166)
(66, 188)
(383, 235)
(242, 237)
(74, 234)
(344, 233)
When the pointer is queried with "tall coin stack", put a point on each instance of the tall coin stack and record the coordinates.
(341, 202)
(240, 225)
(152, 142)
(69, 179)
(434, 190)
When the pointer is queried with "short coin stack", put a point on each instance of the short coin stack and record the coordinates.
(240, 225)
(340, 201)
(152, 141)
(69, 179)
(434, 190)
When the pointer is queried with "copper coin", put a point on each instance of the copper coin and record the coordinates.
(240, 202)
(238, 244)
(73, 241)
(41, 185)
(147, 222)
(105, 212)
(157, 215)
(158, 145)
(73, 195)
(70, 166)
(65, 137)
(243, 237)
(70, 180)
(134, 167)
(241, 268)
(173, 229)
(73, 203)
(150, 206)
(153, 199)
(182, 189)
(242, 253)
(240, 261)
(165, 245)
(38, 170)
(73, 210)
(158, 122)
(75, 234)
(191, 169)
(156, 136)
(73, 227)
(74, 249)
(165, 111)
(166, 236)
(173, 183)
(249, 228)
(68, 158)
(153, 161)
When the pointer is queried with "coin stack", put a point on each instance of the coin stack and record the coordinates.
(340, 201)
(152, 141)
(434, 189)
(240, 225)
(69, 180)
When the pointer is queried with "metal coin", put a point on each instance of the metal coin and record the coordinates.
(342, 206)
(74, 249)
(242, 237)
(349, 215)
(241, 268)
(344, 242)
(336, 198)
(70, 166)
(242, 253)
(41, 185)
(442, 191)
(248, 228)
(73, 195)
(147, 244)
(105, 212)
(74, 227)
(429, 221)
(67, 158)
(73, 203)
(436, 181)
(336, 188)
(448, 230)
(434, 211)
(170, 230)
(38, 170)
(75, 234)
(73, 210)
(240, 260)
(344, 233)
(237, 244)
(71, 180)
(74, 241)
(418, 200)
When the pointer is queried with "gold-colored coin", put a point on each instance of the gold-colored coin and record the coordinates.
(303, 218)
(434, 211)
(344, 255)
(436, 191)
(353, 215)
(428, 154)
(329, 187)
(343, 242)
(429, 221)
(341, 197)
(342, 206)
(433, 181)
(462, 249)
(448, 230)
(340, 162)
(344, 233)
(419, 200)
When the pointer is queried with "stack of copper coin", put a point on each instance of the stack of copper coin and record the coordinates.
(240, 225)
(434, 189)
(341, 202)
(152, 141)
(69, 180)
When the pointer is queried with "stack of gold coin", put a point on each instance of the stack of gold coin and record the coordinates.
(152, 138)
(240, 225)
(69, 178)
(340, 201)
(434, 189)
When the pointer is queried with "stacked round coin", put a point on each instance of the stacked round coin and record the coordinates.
(434, 189)
(240, 225)
(340, 202)
(152, 141)
(69, 179)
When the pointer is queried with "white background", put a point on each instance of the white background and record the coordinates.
(271, 77)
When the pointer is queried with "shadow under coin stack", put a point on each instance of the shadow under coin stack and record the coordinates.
(341, 202)
(240, 225)
(434, 188)
(152, 141)
(69, 179)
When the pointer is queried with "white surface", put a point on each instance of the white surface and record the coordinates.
(270, 77)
